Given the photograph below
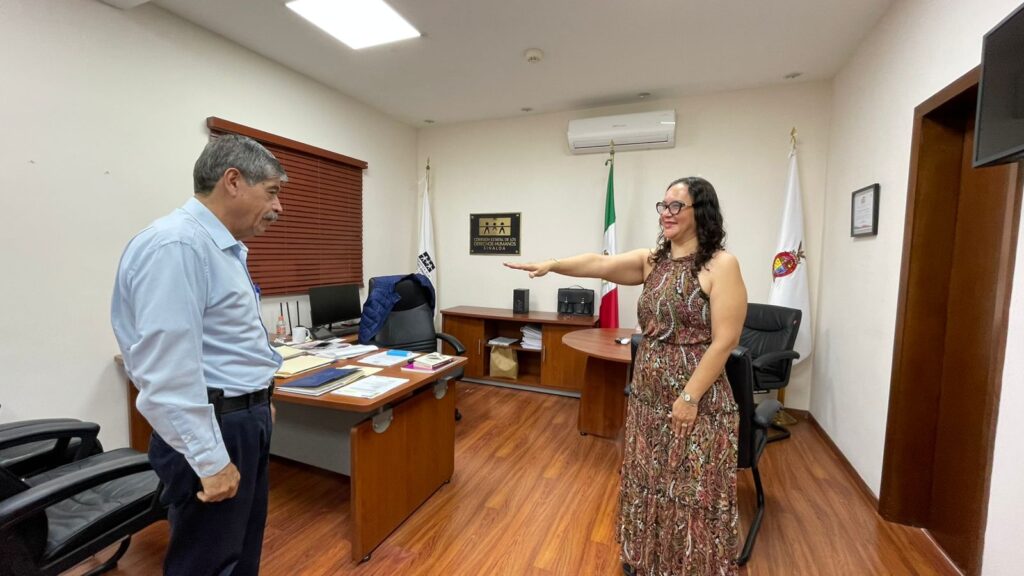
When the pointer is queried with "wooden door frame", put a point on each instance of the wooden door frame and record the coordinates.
(910, 440)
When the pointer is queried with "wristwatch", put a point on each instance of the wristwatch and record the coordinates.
(689, 399)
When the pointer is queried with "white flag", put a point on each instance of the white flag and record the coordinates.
(789, 267)
(426, 260)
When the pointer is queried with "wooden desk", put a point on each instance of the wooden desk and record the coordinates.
(603, 401)
(402, 446)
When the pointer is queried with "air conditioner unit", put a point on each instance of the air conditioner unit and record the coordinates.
(628, 131)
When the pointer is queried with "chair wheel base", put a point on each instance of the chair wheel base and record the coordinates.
(783, 433)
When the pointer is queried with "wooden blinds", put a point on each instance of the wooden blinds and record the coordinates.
(318, 239)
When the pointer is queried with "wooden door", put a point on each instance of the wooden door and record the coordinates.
(959, 246)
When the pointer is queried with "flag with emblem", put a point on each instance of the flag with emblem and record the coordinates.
(789, 266)
(426, 258)
(609, 291)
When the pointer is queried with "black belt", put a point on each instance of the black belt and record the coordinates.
(224, 405)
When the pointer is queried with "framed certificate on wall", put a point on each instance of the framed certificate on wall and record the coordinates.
(864, 212)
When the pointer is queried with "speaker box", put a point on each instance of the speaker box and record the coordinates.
(520, 301)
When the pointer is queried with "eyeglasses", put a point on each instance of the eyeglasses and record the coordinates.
(672, 207)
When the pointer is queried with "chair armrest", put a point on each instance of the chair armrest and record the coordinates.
(24, 504)
(45, 430)
(453, 342)
(19, 423)
(765, 412)
(739, 351)
(773, 357)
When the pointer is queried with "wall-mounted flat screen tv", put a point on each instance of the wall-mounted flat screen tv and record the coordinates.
(999, 126)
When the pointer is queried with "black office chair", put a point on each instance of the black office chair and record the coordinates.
(769, 333)
(410, 326)
(755, 419)
(752, 435)
(35, 457)
(56, 518)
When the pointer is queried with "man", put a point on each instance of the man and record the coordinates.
(186, 317)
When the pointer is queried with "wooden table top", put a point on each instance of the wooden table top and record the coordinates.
(529, 317)
(600, 343)
(416, 380)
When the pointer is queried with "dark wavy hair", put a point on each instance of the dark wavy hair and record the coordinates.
(708, 217)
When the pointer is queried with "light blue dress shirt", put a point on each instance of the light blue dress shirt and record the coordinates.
(186, 317)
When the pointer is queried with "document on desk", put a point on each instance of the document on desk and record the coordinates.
(344, 352)
(371, 386)
(298, 364)
(389, 358)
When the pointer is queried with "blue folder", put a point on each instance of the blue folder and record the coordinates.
(320, 378)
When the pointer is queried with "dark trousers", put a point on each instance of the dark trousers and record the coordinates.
(222, 538)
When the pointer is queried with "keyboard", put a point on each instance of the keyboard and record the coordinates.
(346, 330)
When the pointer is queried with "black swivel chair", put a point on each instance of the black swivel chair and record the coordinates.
(752, 435)
(34, 457)
(56, 518)
(769, 333)
(410, 326)
(755, 419)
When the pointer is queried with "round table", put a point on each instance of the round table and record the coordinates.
(603, 399)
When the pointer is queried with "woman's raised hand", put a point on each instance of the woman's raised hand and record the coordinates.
(536, 269)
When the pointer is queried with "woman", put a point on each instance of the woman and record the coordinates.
(678, 495)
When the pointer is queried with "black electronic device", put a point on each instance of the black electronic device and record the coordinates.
(578, 301)
(337, 304)
(999, 126)
(520, 301)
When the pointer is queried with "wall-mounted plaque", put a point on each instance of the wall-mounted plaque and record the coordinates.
(494, 233)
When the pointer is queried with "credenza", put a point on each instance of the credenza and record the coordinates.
(555, 366)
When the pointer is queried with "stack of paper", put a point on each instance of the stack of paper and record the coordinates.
(371, 386)
(389, 358)
(287, 352)
(502, 341)
(298, 364)
(531, 337)
(345, 351)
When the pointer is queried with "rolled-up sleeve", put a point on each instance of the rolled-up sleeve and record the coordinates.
(165, 294)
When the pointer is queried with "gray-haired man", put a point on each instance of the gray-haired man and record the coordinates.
(187, 320)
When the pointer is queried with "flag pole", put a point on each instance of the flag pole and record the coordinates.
(781, 417)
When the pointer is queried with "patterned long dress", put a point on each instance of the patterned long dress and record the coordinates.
(678, 512)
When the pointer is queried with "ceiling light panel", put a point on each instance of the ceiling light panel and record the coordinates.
(357, 23)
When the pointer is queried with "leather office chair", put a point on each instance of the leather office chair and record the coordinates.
(769, 333)
(56, 518)
(752, 435)
(410, 326)
(34, 457)
(755, 419)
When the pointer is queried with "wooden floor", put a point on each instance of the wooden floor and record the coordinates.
(530, 496)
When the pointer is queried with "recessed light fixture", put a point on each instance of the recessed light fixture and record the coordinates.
(357, 23)
(793, 75)
(428, 121)
(643, 95)
(533, 55)
(526, 109)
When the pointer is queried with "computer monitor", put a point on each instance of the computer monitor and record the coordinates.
(334, 304)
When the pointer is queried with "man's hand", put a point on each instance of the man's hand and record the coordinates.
(220, 486)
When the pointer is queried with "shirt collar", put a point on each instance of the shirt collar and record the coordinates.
(213, 226)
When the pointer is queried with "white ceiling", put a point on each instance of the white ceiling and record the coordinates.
(469, 64)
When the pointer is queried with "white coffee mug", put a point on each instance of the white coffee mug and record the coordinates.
(299, 334)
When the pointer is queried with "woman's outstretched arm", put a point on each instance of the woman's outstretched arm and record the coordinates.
(626, 268)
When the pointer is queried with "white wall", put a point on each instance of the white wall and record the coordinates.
(739, 141)
(919, 47)
(103, 114)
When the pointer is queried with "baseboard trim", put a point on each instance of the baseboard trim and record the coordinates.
(850, 470)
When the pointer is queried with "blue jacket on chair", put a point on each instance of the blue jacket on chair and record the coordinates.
(381, 299)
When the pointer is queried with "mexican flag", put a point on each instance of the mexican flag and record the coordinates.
(609, 291)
